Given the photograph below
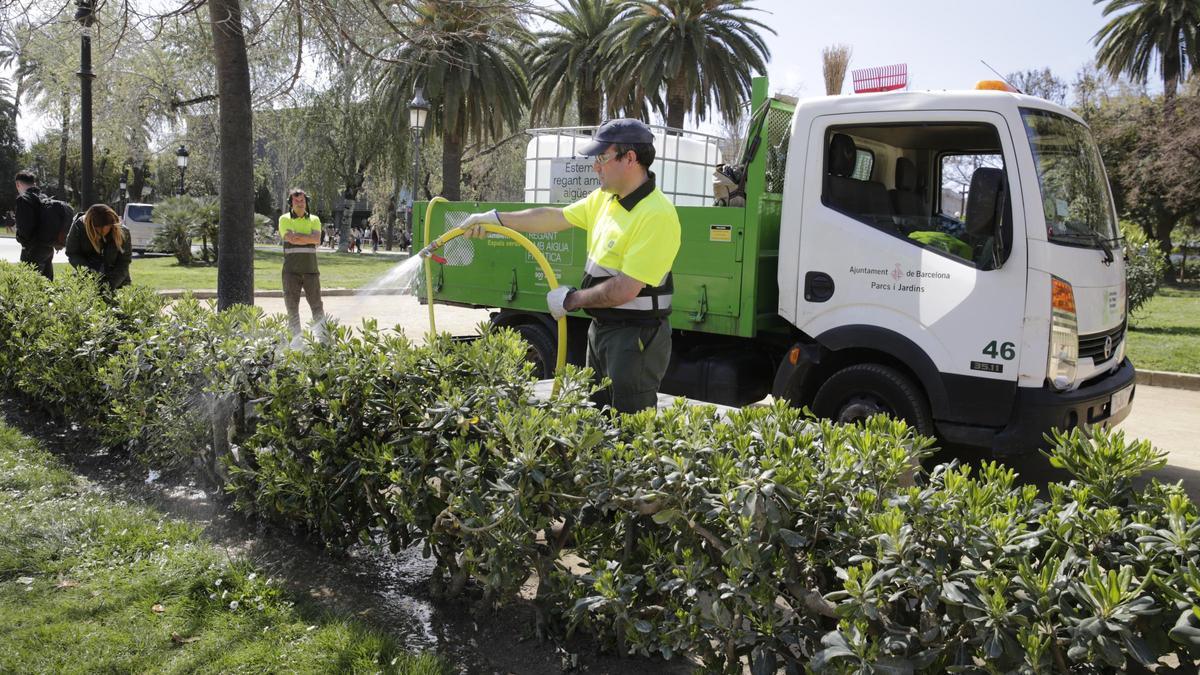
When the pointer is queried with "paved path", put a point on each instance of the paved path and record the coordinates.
(10, 251)
(1169, 419)
(402, 311)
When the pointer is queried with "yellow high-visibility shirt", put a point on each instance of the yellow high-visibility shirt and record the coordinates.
(637, 235)
(299, 259)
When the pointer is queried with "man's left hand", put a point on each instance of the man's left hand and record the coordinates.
(556, 300)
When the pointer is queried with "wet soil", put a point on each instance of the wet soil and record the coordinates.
(387, 591)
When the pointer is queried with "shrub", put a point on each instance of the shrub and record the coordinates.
(1144, 267)
(762, 537)
(178, 218)
(265, 230)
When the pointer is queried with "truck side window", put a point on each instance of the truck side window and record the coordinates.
(921, 190)
(956, 172)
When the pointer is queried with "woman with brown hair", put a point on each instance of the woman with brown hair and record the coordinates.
(99, 242)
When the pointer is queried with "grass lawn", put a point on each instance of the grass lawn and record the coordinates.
(338, 270)
(1165, 333)
(88, 584)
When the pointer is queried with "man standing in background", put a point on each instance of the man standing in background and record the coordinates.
(301, 234)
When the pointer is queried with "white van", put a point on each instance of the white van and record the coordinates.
(139, 218)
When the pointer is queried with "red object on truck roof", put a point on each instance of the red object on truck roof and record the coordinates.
(880, 78)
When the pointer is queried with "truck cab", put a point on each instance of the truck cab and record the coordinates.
(949, 257)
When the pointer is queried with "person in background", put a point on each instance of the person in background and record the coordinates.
(99, 242)
(9, 221)
(301, 233)
(35, 250)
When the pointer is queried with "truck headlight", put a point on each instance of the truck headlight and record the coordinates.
(1064, 335)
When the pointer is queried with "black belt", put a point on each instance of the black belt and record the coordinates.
(623, 323)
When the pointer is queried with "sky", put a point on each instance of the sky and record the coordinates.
(942, 41)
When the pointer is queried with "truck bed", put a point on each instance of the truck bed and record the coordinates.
(723, 266)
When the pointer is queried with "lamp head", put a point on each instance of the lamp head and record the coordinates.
(85, 12)
(418, 111)
(181, 157)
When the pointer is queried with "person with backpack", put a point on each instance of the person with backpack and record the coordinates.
(37, 249)
(99, 242)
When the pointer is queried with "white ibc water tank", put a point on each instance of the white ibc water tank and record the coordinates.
(556, 172)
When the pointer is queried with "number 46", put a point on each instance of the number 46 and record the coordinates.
(1007, 351)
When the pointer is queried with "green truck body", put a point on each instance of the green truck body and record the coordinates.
(724, 273)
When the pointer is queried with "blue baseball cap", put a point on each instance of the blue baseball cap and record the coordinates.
(622, 130)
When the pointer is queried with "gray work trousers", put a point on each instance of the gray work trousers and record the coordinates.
(634, 357)
(310, 284)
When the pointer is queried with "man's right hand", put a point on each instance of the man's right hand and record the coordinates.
(472, 227)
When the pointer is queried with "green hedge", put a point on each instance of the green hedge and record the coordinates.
(764, 538)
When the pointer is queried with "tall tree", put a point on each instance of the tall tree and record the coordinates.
(467, 56)
(235, 269)
(1154, 161)
(12, 58)
(698, 53)
(566, 61)
(1142, 30)
(10, 148)
(1041, 83)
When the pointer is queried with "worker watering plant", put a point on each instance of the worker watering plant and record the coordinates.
(632, 239)
(301, 234)
(99, 242)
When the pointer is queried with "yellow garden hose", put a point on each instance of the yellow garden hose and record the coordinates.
(551, 278)
(427, 266)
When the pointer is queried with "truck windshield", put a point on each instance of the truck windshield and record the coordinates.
(1075, 192)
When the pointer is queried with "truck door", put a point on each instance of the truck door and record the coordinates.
(908, 234)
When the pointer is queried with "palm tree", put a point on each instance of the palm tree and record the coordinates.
(698, 53)
(467, 56)
(1130, 40)
(566, 61)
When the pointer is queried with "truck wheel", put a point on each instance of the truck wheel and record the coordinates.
(543, 350)
(857, 392)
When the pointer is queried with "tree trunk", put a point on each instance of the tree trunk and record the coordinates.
(18, 90)
(1162, 234)
(1171, 67)
(589, 108)
(64, 140)
(452, 151)
(677, 102)
(137, 183)
(235, 269)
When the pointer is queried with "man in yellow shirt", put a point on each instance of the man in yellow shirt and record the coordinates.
(632, 239)
(301, 234)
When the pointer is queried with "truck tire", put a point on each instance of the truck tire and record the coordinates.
(856, 392)
(543, 350)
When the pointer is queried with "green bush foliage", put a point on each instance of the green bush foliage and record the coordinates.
(762, 538)
(1144, 266)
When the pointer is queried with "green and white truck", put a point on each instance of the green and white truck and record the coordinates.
(952, 258)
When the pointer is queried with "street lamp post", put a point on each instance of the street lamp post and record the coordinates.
(124, 185)
(85, 14)
(418, 115)
(181, 161)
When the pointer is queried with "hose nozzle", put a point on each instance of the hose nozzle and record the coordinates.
(428, 252)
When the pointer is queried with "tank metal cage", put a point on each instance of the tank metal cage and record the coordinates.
(685, 180)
